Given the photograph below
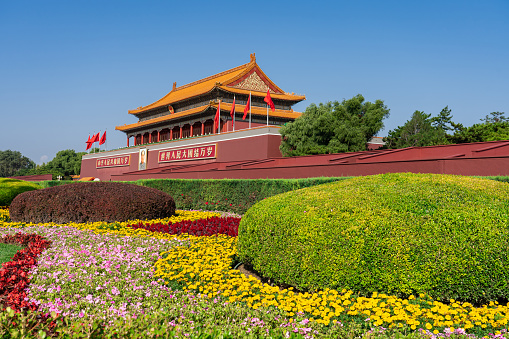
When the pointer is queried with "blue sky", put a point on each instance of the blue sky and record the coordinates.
(71, 68)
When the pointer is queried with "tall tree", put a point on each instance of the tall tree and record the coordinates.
(423, 130)
(13, 161)
(334, 127)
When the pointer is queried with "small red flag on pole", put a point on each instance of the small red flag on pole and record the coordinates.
(95, 138)
(89, 142)
(216, 119)
(232, 113)
(269, 102)
(103, 139)
(248, 107)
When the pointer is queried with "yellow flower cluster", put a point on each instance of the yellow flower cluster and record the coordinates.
(4, 214)
(204, 266)
(120, 228)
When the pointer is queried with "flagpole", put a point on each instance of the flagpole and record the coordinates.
(267, 115)
(233, 118)
(250, 105)
(219, 120)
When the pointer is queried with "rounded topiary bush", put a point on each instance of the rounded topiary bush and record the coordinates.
(402, 234)
(91, 201)
(10, 188)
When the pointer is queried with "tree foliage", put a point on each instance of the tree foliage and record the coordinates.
(64, 164)
(424, 130)
(334, 127)
(488, 131)
(420, 130)
(13, 161)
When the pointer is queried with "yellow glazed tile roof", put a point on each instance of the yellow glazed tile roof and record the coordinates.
(225, 107)
(163, 118)
(220, 80)
(284, 96)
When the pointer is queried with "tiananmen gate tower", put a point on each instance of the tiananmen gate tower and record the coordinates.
(189, 110)
(189, 133)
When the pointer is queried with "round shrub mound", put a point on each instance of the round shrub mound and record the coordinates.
(402, 234)
(91, 201)
(10, 188)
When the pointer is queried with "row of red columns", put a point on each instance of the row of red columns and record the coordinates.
(171, 135)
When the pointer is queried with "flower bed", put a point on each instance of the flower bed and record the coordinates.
(14, 274)
(123, 278)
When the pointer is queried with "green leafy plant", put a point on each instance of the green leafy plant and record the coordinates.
(403, 234)
(10, 188)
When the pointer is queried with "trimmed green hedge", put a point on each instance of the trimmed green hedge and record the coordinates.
(399, 233)
(10, 188)
(232, 195)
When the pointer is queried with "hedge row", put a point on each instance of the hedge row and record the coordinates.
(232, 195)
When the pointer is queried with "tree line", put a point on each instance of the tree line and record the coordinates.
(64, 164)
(349, 125)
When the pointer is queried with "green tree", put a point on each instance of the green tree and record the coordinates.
(13, 161)
(495, 127)
(423, 130)
(64, 164)
(495, 117)
(333, 127)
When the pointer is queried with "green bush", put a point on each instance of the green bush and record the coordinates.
(400, 233)
(231, 195)
(91, 201)
(10, 188)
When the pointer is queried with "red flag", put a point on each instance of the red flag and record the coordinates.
(216, 119)
(232, 112)
(95, 138)
(269, 102)
(103, 139)
(89, 142)
(248, 106)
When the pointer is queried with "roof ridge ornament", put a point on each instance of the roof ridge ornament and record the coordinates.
(174, 86)
(252, 57)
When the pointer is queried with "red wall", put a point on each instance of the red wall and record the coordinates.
(259, 157)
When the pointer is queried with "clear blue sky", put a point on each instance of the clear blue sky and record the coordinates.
(71, 68)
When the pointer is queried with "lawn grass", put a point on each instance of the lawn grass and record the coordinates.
(7, 251)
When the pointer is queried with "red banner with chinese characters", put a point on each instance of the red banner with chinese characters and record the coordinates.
(188, 153)
(122, 160)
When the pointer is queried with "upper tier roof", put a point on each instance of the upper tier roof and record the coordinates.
(225, 107)
(242, 80)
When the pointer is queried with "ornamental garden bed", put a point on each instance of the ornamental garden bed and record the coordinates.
(175, 277)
